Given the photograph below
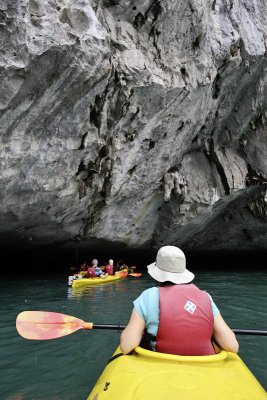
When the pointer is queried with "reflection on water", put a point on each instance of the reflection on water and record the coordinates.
(67, 368)
(74, 292)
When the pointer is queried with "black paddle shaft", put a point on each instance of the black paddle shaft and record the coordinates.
(107, 326)
(119, 327)
(249, 332)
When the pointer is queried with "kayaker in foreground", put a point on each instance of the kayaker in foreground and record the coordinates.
(178, 317)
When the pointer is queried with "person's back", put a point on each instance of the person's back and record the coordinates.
(185, 321)
(91, 272)
(94, 271)
(179, 317)
(110, 268)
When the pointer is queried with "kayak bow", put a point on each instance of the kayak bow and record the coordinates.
(147, 375)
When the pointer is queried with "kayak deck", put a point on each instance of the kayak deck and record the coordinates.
(147, 375)
(85, 282)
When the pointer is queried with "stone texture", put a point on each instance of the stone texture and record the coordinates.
(100, 100)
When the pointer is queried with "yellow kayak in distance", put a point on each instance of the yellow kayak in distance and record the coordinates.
(85, 282)
(148, 375)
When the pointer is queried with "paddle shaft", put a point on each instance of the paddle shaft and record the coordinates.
(107, 326)
(236, 331)
(249, 332)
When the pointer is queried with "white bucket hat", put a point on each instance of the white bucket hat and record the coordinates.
(170, 266)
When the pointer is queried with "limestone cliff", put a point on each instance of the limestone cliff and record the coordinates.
(135, 122)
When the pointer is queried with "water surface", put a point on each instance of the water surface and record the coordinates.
(67, 368)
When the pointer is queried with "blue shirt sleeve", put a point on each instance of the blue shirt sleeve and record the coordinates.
(215, 310)
(143, 302)
(139, 306)
(98, 271)
(147, 307)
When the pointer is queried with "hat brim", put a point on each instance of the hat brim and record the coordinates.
(164, 276)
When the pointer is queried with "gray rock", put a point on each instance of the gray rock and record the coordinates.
(100, 101)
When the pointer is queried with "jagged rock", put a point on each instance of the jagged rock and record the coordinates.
(173, 180)
(100, 100)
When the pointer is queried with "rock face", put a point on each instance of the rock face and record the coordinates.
(141, 123)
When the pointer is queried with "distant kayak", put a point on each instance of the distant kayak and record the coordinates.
(148, 375)
(85, 282)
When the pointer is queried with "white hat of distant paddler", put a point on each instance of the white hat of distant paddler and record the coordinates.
(170, 265)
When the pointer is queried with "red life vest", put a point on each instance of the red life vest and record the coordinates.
(185, 321)
(83, 267)
(91, 272)
(109, 269)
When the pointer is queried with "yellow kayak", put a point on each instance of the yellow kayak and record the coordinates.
(85, 282)
(147, 375)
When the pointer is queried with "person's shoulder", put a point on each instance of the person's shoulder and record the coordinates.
(153, 291)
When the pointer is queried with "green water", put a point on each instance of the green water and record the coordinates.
(67, 368)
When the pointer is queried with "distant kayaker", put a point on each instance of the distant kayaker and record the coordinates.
(121, 265)
(110, 267)
(94, 271)
(84, 266)
(178, 317)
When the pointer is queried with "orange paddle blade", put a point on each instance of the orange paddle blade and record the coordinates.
(43, 325)
(133, 267)
(122, 274)
(135, 274)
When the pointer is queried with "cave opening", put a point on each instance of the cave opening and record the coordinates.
(52, 260)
